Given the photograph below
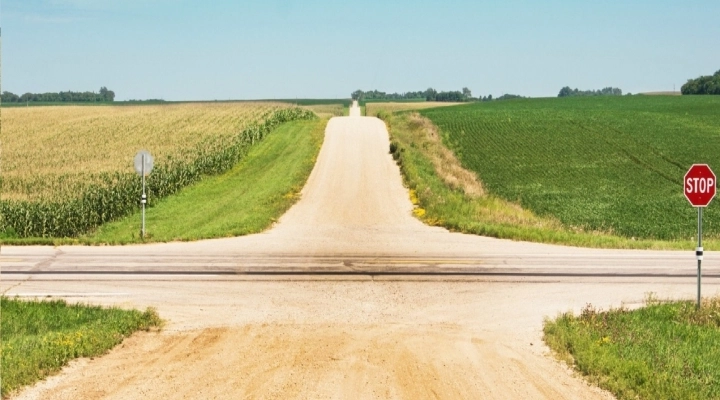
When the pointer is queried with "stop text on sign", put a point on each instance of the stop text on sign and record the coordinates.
(699, 185)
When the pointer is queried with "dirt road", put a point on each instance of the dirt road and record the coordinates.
(308, 310)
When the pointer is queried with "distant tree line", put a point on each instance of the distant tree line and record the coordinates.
(709, 84)
(608, 91)
(429, 94)
(104, 95)
(145, 101)
(378, 95)
(508, 97)
(451, 96)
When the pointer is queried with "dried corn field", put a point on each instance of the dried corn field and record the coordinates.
(68, 169)
(49, 149)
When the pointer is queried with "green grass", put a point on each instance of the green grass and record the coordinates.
(40, 337)
(248, 199)
(662, 351)
(602, 164)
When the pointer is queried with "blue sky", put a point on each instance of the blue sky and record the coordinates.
(206, 50)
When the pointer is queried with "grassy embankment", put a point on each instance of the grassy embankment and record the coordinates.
(585, 172)
(245, 200)
(662, 351)
(40, 337)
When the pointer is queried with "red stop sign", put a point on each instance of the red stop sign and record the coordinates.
(699, 184)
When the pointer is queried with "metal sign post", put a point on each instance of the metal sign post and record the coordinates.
(143, 199)
(699, 187)
(699, 254)
(143, 165)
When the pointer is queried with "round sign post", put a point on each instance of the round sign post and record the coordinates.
(143, 164)
(699, 188)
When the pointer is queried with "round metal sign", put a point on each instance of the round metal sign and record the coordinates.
(143, 157)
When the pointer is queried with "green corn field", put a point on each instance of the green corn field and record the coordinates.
(603, 164)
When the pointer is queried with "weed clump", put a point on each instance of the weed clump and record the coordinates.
(667, 349)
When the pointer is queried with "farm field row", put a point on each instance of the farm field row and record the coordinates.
(70, 168)
(54, 151)
(609, 165)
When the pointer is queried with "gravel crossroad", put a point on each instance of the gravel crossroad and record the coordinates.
(347, 296)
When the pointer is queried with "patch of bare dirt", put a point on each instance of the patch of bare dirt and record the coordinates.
(296, 361)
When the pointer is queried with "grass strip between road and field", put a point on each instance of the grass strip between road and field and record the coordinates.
(245, 200)
(40, 337)
(448, 195)
(666, 350)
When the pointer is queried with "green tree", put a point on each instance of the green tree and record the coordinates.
(430, 94)
(565, 92)
(106, 95)
(709, 84)
(607, 91)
